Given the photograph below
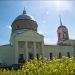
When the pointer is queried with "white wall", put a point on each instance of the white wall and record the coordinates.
(7, 54)
(54, 49)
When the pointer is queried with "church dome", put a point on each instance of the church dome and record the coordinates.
(24, 22)
(24, 16)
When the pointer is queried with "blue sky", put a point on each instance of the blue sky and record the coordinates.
(46, 13)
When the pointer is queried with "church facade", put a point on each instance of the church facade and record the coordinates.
(26, 43)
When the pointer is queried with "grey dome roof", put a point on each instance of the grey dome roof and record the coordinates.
(25, 22)
(24, 16)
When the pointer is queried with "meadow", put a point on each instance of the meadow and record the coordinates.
(63, 66)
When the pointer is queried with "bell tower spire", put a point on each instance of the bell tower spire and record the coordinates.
(60, 20)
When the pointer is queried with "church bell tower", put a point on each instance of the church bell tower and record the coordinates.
(62, 33)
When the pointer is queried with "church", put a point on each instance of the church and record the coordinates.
(26, 43)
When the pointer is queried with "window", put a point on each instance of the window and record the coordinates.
(17, 27)
(30, 44)
(63, 36)
(60, 56)
(59, 35)
(31, 56)
(39, 45)
(21, 44)
(51, 56)
(37, 55)
(21, 58)
(68, 54)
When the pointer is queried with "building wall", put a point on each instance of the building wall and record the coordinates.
(55, 49)
(7, 54)
(26, 36)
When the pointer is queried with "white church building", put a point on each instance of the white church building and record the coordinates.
(26, 43)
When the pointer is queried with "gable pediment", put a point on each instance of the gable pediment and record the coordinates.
(29, 35)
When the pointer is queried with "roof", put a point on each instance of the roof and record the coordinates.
(24, 16)
(25, 31)
(69, 42)
(57, 46)
(62, 26)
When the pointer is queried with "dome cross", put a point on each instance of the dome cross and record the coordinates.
(24, 11)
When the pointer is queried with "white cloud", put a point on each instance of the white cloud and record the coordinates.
(58, 5)
(9, 27)
(63, 5)
(47, 41)
(40, 32)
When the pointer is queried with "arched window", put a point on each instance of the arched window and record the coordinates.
(60, 56)
(17, 27)
(51, 56)
(31, 56)
(21, 44)
(68, 54)
(21, 58)
(59, 35)
(37, 55)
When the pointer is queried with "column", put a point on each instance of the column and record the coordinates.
(26, 50)
(34, 49)
(43, 49)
